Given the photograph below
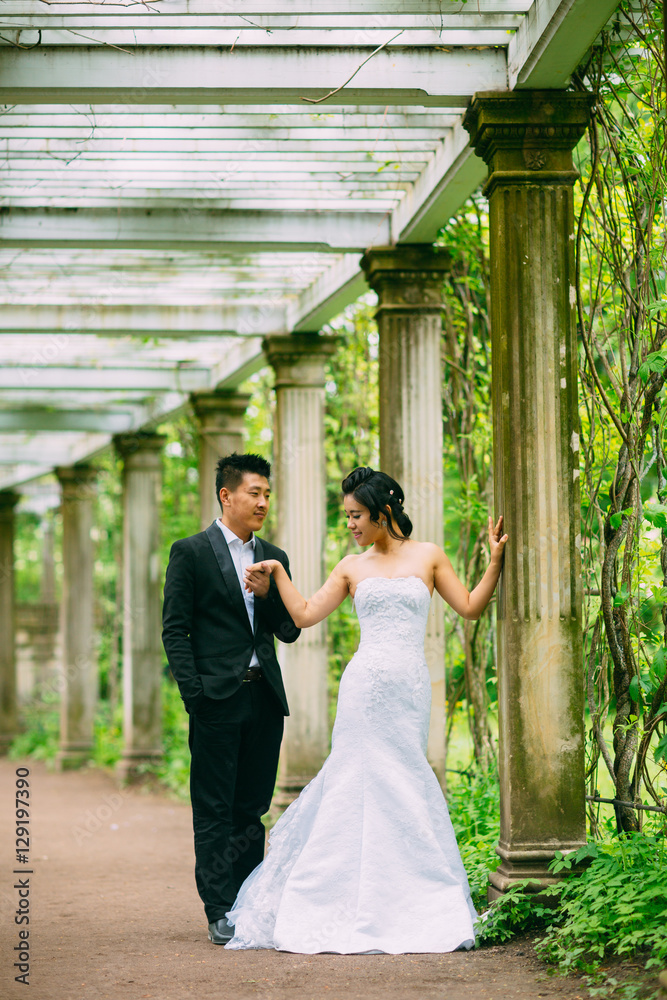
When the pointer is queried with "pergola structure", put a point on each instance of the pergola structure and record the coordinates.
(192, 189)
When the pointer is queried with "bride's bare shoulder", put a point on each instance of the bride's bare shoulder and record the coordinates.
(432, 554)
(346, 566)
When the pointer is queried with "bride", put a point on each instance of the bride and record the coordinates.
(365, 860)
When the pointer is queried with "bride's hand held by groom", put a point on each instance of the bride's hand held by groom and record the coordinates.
(304, 613)
(257, 578)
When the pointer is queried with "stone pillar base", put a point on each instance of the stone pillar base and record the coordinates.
(73, 756)
(130, 769)
(518, 865)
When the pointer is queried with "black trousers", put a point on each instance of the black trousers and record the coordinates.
(234, 743)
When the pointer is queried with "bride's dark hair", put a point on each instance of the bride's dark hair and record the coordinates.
(376, 490)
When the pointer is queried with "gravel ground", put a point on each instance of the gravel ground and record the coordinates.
(114, 914)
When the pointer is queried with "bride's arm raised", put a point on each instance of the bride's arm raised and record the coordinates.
(471, 604)
(302, 612)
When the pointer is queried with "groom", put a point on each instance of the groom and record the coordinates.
(219, 640)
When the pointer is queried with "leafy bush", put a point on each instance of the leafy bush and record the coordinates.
(615, 909)
(41, 730)
(473, 800)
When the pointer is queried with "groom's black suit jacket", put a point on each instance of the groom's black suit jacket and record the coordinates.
(206, 630)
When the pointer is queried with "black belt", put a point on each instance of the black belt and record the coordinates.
(253, 674)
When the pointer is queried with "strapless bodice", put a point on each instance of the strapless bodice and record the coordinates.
(392, 610)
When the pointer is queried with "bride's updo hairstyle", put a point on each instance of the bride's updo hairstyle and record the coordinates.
(377, 490)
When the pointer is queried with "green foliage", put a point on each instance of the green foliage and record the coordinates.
(613, 909)
(28, 548)
(518, 911)
(617, 907)
(473, 798)
(41, 730)
(621, 274)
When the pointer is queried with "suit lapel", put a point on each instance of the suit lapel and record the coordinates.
(228, 570)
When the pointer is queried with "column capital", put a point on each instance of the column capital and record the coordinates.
(298, 359)
(216, 410)
(77, 482)
(409, 276)
(140, 450)
(8, 500)
(528, 136)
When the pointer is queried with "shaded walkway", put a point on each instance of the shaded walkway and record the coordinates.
(114, 914)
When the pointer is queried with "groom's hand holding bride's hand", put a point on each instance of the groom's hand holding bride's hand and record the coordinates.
(257, 578)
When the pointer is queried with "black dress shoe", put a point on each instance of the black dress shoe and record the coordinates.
(220, 931)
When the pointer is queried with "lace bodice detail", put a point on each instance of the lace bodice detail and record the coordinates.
(392, 610)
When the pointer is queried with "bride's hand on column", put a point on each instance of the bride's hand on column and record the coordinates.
(497, 539)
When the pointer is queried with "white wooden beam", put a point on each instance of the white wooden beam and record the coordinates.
(203, 230)
(16, 475)
(553, 39)
(111, 320)
(267, 9)
(347, 149)
(64, 448)
(249, 123)
(41, 419)
(60, 379)
(228, 38)
(90, 75)
(439, 192)
(341, 284)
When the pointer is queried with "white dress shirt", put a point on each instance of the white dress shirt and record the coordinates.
(243, 555)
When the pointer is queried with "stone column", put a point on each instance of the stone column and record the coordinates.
(9, 726)
(408, 281)
(300, 480)
(220, 416)
(142, 585)
(78, 681)
(527, 140)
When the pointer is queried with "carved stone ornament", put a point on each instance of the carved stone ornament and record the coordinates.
(536, 124)
(536, 159)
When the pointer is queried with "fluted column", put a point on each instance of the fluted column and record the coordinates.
(300, 480)
(527, 141)
(408, 281)
(8, 687)
(142, 647)
(220, 416)
(78, 682)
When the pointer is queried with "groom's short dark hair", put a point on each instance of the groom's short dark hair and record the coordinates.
(231, 469)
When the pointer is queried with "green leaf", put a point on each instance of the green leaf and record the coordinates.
(616, 519)
(655, 307)
(655, 362)
(660, 752)
(656, 514)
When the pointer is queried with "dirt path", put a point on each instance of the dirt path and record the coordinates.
(114, 914)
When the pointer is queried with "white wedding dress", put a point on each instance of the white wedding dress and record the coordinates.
(365, 860)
